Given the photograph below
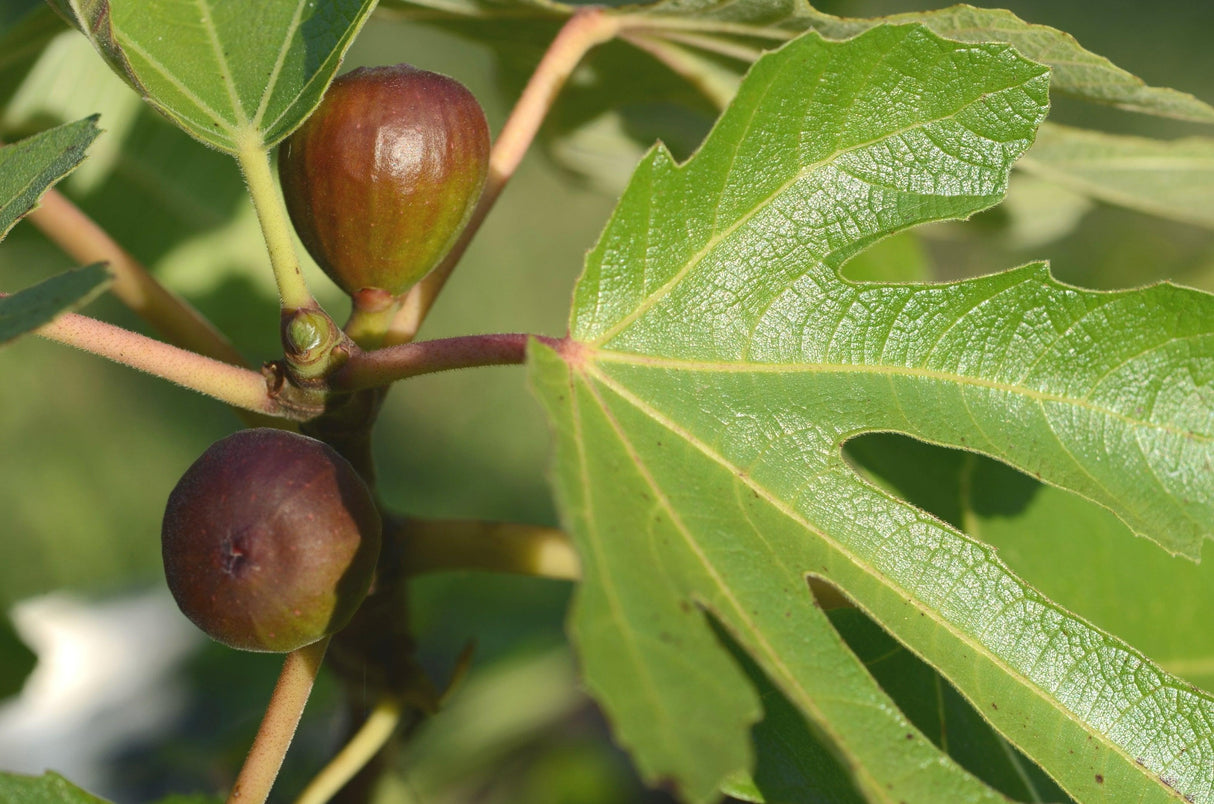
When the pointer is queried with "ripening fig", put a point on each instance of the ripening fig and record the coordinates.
(383, 176)
(270, 540)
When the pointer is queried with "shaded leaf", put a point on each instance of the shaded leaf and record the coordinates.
(718, 362)
(229, 78)
(49, 788)
(1156, 602)
(709, 45)
(1170, 178)
(26, 27)
(16, 660)
(29, 309)
(1075, 71)
(29, 167)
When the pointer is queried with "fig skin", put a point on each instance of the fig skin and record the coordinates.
(270, 541)
(381, 179)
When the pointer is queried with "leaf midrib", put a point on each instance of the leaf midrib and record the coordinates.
(725, 367)
(884, 580)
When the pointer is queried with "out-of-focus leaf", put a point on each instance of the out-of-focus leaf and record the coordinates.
(1173, 179)
(231, 78)
(689, 52)
(717, 362)
(1087, 560)
(496, 712)
(1037, 212)
(29, 309)
(49, 788)
(16, 660)
(28, 168)
(26, 28)
(1074, 70)
(1077, 553)
(940, 712)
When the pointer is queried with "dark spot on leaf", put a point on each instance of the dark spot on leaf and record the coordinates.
(994, 705)
(1099, 779)
(910, 736)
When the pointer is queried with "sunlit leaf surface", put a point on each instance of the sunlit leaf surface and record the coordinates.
(717, 362)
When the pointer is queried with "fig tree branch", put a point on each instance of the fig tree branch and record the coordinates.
(239, 387)
(587, 28)
(80, 237)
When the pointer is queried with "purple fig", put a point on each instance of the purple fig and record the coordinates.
(270, 540)
(381, 179)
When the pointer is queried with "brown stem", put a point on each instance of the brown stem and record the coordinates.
(278, 726)
(240, 387)
(383, 366)
(587, 28)
(81, 238)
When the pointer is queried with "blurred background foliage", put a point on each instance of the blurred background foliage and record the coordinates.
(89, 451)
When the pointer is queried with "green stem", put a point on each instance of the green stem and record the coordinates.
(239, 387)
(278, 725)
(275, 226)
(442, 545)
(587, 28)
(371, 317)
(372, 736)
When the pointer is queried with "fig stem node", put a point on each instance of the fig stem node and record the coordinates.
(314, 346)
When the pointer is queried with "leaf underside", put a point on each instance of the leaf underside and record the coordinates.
(233, 75)
(718, 362)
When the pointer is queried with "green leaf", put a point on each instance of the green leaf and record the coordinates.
(1075, 71)
(31, 308)
(718, 361)
(1156, 602)
(26, 27)
(29, 167)
(1173, 179)
(683, 56)
(49, 788)
(230, 78)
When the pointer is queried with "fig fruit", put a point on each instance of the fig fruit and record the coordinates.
(270, 540)
(381, 179)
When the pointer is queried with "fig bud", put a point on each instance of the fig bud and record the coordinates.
(270, 540)
(381, 179)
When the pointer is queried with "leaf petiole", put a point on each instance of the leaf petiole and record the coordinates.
(275, 226)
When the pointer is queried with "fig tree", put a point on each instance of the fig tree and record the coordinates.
(383, 176)
(270, 540)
